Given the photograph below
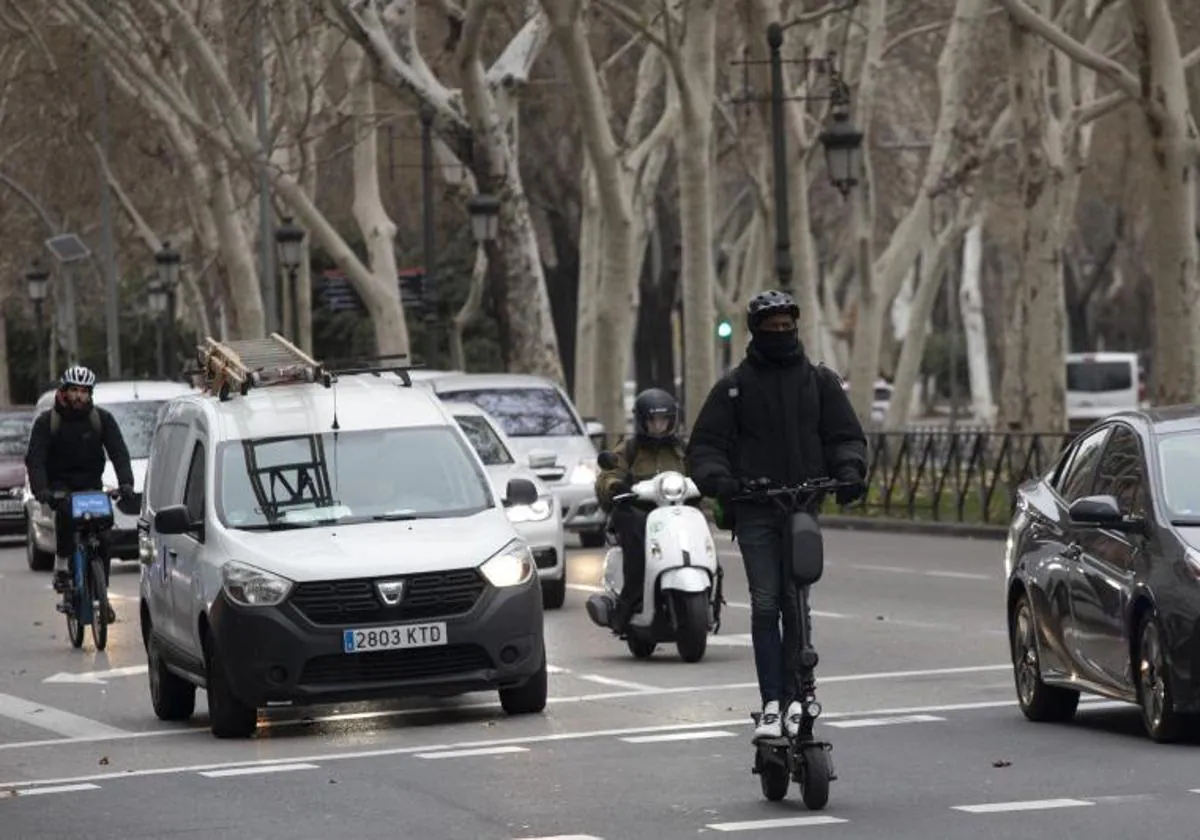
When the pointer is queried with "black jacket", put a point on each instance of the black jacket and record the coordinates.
(788, 422)
(72, 459)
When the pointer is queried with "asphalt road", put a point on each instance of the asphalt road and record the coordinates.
(915, 681)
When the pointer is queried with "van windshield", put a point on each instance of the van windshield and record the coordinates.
(349, 477)
(1098, 377)
(523, 412)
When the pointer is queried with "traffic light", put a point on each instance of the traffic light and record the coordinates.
(724, 329)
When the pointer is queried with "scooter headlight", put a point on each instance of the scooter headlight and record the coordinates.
(672, 487)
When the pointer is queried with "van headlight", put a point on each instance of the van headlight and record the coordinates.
(510, 566)
(251, 587)
(539, 511)
(584, 473)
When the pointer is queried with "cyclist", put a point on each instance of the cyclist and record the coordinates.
(655, 447)
(66, 454)
(780, 417)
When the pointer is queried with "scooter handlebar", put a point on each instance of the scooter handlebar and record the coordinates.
(763, 489)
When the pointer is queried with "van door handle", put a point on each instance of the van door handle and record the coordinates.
(172, 553)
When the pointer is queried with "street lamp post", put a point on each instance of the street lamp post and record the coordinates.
(156, 295)
(485, 217)
(37, 281)
(429, 292)
(842, 141)
(167, 262)
(289, 237)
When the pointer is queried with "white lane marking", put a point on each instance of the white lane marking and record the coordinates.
(250, 771)
(597, 678)
(884, 721)
(554, 669)
(1030, 805)
(38, 791)
(95, 677)
(902, 570)
(564, 837)
(784, 822)
(962, 575)
(55, 720)
(703, 734)
(731, 640)
(472, 753)
(530, 739)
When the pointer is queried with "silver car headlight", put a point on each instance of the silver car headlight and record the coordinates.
(251, 587)
(510, 566)
(584, 473)
(539, 511)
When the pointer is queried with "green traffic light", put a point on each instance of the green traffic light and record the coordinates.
(724, 329)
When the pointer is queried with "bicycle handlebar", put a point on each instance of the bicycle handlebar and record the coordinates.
(762, 489)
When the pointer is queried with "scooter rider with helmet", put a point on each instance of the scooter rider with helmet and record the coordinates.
(654, 448)
(781, 417)
(67, 445)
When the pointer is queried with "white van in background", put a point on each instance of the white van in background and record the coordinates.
(1100, 384)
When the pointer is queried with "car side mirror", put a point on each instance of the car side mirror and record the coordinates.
(542, 459)
(1103, 512)
(607, 460)
(520, 491)
(173, 520)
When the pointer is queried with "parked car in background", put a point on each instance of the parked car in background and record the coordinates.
(135, 406)
(539, 524)
(540, 421)
(1100, 384)
(1103, 573)
(15, 423)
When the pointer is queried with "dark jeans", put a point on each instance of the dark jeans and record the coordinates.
(763, 534)
(629, 521)
(64, 536)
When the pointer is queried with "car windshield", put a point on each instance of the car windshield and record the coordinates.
(1179, 462)
(14, 432)
(348, 477)
(483, 437)
(136, 420)
(524, 412)
(1099, 377)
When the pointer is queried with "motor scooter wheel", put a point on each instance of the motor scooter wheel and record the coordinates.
(814, 788)
(774, 779)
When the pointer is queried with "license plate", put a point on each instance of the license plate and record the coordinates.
(10, 505)
(394, 638)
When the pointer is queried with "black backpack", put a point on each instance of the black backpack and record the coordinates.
(93, 418)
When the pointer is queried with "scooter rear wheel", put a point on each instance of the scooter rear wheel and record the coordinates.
(814, 790)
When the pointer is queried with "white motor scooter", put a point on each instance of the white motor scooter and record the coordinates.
(681, 599)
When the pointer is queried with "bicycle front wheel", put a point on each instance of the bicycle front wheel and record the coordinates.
(99, 593)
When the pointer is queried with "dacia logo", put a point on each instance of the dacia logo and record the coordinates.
(390, 591)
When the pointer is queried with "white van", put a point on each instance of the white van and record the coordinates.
(1100, 384)
(134, 405)
(320, 540)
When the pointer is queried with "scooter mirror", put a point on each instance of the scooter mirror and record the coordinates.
(606, 460)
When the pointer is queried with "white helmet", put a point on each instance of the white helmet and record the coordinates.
(79, 376)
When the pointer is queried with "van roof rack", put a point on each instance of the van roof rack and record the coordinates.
(374, 365)
(238, 366)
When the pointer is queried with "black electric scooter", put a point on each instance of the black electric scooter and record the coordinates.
(803, 759)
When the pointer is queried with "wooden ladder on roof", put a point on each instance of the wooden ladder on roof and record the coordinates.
(238, 366)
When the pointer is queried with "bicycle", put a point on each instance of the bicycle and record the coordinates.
(803, 759)
(85, 601)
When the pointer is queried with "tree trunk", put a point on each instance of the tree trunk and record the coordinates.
(591, 235)
(974, 327)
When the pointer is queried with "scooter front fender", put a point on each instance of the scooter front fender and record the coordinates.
(685, 579)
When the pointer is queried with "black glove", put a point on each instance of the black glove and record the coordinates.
(617, 487)
(726, 487)
(854, 488)
(45, 497)
(126, 491)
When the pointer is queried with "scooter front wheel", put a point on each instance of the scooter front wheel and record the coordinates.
(691, 635)
(814, 789)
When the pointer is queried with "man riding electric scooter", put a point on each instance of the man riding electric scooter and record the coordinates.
(654, 448)
(776, 416)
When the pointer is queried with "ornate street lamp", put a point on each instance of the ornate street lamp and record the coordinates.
(841, 139)
(289, 239)
(485, 217)
(37, 282)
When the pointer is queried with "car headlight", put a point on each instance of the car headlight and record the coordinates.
(510, 566)
(672, 487)
(536, 512)
(251, 587)
(584, 473)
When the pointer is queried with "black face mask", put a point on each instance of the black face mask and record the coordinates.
(778, 346)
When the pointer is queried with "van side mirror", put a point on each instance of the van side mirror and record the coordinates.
(173, 520)
(520, 491)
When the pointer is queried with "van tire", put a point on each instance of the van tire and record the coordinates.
(228, 716)
(527, 699)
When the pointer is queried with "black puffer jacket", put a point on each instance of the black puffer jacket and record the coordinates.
(787, 421)
(72, 459)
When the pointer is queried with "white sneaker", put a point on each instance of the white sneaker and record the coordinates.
(792, 719)
(768, 724)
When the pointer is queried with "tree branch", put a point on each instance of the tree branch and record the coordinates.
(815, 16)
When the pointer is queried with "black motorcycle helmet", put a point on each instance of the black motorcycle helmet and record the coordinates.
(766, 304)
(655, 414)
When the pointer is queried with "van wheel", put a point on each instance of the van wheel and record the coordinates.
(554, 593)
(173, 697)
(528, 699)
(228, 716)
(35, 558)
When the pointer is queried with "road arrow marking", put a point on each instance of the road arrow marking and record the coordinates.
(95, 677)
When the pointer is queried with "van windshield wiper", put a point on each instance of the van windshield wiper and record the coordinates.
(284, 526)
(398, 516)
(1193, 522)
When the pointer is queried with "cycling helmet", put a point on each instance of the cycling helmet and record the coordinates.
(78, 376)
(765, 304)
(650, 408)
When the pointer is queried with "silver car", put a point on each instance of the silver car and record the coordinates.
(539, 524)
(134, 405)
(546, 430)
